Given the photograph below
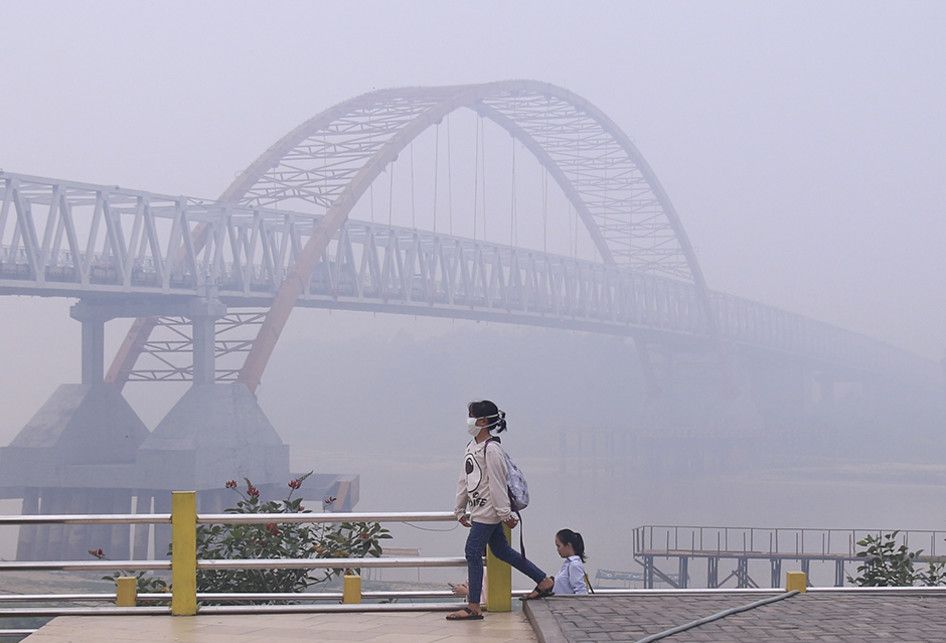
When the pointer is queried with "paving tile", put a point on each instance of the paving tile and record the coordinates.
(837, 618)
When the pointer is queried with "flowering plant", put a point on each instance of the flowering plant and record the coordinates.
(271, 540)
(280, 540)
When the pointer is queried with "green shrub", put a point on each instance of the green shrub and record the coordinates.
(271, 540)
(888, 565)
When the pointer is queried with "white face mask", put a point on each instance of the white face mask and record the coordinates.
(471, 427)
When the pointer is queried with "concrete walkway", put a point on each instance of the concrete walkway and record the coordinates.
(408, 627)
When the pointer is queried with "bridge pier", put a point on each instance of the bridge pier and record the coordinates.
(93, 345)
(87, 451)
(73, 456)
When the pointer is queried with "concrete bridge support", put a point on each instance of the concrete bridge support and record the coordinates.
(87, 451)
(76, 455)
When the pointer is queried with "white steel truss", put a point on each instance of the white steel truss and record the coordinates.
(61, 238)
(167, 355)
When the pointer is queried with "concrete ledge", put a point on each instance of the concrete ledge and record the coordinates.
(543, 622)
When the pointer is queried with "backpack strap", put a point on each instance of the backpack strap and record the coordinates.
(522, 544)
(588, 584)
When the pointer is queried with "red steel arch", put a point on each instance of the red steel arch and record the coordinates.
(331, 159)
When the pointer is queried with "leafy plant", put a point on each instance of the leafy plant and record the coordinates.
(271, 540)
(934, 575)
(888, 565)
(146, 582)
(280, 540)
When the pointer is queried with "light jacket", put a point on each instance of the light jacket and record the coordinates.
(481, 489)
(570, 579)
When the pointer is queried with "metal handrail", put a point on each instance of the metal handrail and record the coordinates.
(327, 563)
(82, 565)
(85, 519)
(287, 518)
(184, 520)
(230, 518)
(766, 540)
(237, 597)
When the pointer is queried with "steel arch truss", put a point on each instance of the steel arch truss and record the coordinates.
(620, 200)
(331, 160)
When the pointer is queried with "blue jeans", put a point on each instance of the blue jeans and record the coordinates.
(482, 534)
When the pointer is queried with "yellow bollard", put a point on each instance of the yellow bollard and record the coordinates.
(499, 588)
(796, 581)
(126, 591)
(184, 553)
(351, 589)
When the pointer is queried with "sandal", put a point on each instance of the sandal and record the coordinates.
(470, 615)
(538, 592)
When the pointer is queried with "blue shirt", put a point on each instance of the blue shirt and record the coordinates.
(570, 579)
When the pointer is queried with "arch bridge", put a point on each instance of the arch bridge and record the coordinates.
(109, 244)
(211, 284)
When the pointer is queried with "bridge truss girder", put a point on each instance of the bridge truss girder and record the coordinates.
(61, 238)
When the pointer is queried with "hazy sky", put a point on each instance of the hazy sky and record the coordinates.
(802, 143)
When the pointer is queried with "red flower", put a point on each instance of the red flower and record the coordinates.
(272, 528)
(295, 484)
(252, 491)
(231, 484)
(330, 500)
(98, 553)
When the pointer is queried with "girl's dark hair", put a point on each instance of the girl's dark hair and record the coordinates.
(489, 410)
(573, 538)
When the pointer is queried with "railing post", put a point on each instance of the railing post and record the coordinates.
(184, 553)
(499, 586)
(126, 591)
(796, 581)
(351, 589)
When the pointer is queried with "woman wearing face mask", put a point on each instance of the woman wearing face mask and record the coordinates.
(483, 506)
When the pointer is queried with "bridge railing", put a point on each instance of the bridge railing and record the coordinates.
(764, 542)
(185, 600)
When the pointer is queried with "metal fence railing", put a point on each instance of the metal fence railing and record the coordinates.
(767, 542)
(184, 599)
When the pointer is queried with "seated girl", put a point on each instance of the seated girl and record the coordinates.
(570, 579)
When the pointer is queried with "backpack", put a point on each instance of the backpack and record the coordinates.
(516, 484)
(518, 490)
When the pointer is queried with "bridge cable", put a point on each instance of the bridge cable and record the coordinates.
(390, 194)
(571, 209)
(545, 209)
(436, 164)
(413, 202)
(476, 173)
(449, 179)
(545, 186)
(483, 174)
(371, 185)
(513, 232)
